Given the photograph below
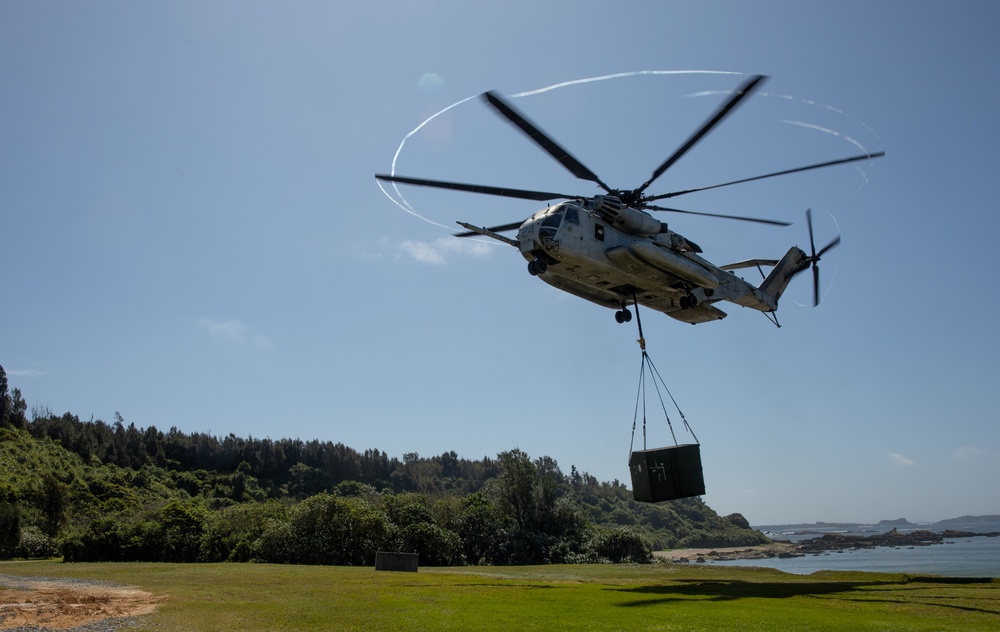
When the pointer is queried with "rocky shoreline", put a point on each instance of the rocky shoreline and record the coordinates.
(820, 545)
(892, 538)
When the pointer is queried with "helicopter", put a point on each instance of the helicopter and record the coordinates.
(610, 250)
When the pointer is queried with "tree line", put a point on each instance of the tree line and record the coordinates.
(89, 490)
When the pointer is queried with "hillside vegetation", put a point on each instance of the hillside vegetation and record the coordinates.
(93, 491)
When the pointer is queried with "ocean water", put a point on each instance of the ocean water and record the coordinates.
(959, 557)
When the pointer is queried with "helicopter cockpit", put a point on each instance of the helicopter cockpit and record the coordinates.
(549, 226)
(554, 217)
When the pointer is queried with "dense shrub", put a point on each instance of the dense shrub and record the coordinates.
(274, 544)
(10, 528)
(34, 543)
(436, 546)
(182, 524)
(621, 544)
(232, 534)
(722, 538)
(99, 542)
(326, 529)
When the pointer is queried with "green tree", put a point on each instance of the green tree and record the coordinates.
(12, 405)
(306, 481)
(5, 403)
(485, 532)
(10, 527)
(183, 524)
(55, 501)
(404, 510)
(738, 520)
(101, 541)
(548, 527)
(353, 489)
(233, 533)
(435, 545)
(416, 531)
(513, 490)
(325, 529)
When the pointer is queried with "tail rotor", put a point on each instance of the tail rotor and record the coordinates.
(814, 257)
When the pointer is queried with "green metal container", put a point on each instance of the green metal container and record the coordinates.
(667, 473)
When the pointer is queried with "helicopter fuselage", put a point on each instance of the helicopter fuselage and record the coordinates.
(573, 248)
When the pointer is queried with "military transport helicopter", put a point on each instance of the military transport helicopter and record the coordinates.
(608, 250)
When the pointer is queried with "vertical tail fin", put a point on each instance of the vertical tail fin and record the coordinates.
(794, 261)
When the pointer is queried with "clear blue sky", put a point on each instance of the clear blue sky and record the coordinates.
(192, 234)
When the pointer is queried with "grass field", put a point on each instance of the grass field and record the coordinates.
(653, 597)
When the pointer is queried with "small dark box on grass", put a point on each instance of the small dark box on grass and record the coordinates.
(667, 473)
(387, 561)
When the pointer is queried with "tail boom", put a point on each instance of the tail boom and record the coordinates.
(794, 261)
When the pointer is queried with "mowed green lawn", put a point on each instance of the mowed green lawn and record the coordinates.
(653, 597)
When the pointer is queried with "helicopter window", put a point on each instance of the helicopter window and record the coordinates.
(599, 232)
(571, 216)
(552, 220)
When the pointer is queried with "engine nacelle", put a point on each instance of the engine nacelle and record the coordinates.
(625, 218)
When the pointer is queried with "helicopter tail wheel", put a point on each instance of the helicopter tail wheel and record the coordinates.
(815, 256)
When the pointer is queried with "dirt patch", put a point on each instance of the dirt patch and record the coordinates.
(53, 604)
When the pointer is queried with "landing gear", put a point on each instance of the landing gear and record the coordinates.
(689, 301)
(537, 267)
(623, 315)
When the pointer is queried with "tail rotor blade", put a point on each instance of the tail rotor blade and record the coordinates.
(814, 256)
(809, 223)
(815, 285)
(830, 245)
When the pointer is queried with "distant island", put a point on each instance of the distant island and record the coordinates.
(971, 519)
(897, 522)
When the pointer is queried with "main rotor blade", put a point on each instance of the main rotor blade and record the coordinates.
(726, 108)
(493, 229)
(841, 161)
(773, 222)
(540, 196)
(539, 137)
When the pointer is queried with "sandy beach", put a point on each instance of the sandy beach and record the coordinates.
(726, 553)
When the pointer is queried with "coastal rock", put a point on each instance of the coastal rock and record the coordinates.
(892, 538)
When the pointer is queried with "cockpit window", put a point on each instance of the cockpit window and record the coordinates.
(571, 216)
(552, 220)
